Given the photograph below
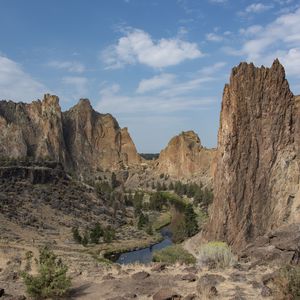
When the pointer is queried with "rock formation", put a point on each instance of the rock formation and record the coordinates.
(185, 157)
(82, 139)
(257, 165)
(33, 130)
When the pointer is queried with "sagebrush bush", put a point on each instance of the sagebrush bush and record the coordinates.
(51, 281)
(173, 254)
(216, 254)
(287, 283)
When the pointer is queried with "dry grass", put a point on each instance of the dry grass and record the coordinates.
(217, 254)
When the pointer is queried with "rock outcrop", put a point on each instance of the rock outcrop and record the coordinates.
(32, 130)
(82, 139)
(257, 165)
(185, 157)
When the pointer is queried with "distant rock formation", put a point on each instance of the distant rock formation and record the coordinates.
(82, 139)
(256, 180)
(185, 157)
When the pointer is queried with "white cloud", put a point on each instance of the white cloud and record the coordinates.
(213, 37)
(210, 70)
(16, 84)
(137, 46)
(70, 66)
(257, 8)
(155, 83)
(78, 85)
(278, 39)
(217, 1)
(252, 30)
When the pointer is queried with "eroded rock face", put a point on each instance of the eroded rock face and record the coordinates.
(257, 173)
(81, 138)
(185, 157)
(33, 130)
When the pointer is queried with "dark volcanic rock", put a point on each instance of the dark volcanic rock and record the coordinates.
(257, 175)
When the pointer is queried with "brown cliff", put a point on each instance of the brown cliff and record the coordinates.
(257, 172)
(185, 157)
(33, 130)
(82, 139)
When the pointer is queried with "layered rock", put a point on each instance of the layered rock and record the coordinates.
(257, 165)
(185, 157)
(82, 139)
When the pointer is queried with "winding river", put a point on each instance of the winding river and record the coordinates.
(145, 255)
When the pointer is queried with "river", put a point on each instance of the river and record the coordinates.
(145, 255)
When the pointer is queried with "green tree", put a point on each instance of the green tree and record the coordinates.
(76, 235)
(109, 234)
(143, 220)
(51, 281)
(96, 233)
(191, 224)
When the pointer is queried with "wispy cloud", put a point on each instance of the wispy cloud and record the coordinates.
(16, 84)
(70, 66)
(155, 83)
(78, 86)
(213, 37)
(137, 46)
(280, 38)
(217, 1)
(255, 8)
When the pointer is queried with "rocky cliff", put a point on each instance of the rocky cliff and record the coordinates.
(82, 139)
(257, 165)
(185, 157)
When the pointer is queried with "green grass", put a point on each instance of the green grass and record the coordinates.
(173, 254)
(162, 220)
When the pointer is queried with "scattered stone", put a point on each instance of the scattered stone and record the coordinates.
(130, 295)
(189, 277)
(237, 277)
(159, 267)
(166, 294)
(108, 277)
(266, 291)
(206, 284)
(140, 275)
(268, 278)
(192, 270)
(190, 297)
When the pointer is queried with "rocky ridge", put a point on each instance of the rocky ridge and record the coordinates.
(82, 139)
(256, 182)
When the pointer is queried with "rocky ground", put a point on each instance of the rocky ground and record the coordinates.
(92, 280)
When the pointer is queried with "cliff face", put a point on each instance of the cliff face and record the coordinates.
(184, 157)
(81, 138)
(257, 173)
(32, 129)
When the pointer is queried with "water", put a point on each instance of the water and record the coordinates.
(145, 255)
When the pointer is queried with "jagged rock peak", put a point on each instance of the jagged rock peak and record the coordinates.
(184, 157)
(257, 175)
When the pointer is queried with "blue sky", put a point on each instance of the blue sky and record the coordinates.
(159, 66)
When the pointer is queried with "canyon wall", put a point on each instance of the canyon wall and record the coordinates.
(82, 139)
(256, 176)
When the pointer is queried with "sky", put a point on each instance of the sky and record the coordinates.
(158, 66)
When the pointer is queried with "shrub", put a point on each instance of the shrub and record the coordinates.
(287, 283)
(109, 234)
(173, 254)
(76, 235)
(96, 233)
(216, 254)
(51, 281)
